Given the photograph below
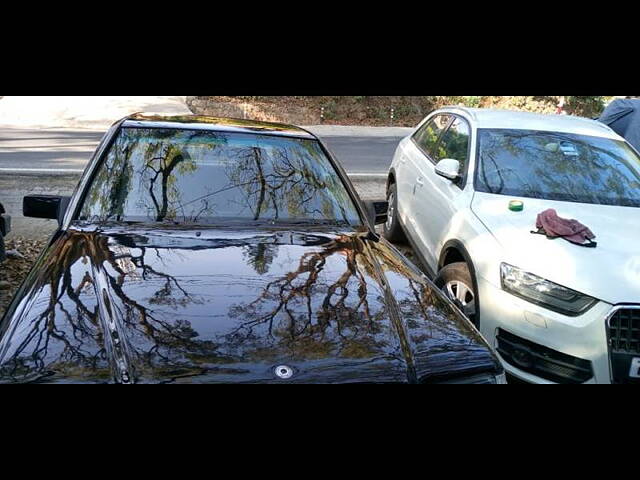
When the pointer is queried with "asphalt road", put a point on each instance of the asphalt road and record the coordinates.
(46, 150)
(363, 155)
(37, 161)
(41, 151)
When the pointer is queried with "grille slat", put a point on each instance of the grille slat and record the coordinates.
(624, 331)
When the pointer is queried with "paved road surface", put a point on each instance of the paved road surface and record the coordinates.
(364, 155)
(94, 112)
(29, 158)
(46, 149)
(23, 149)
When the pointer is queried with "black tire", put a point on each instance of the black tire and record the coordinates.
(392, 228)
(456, 282)
(2, 251)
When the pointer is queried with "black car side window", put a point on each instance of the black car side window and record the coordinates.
(455, 143)
(427, 137)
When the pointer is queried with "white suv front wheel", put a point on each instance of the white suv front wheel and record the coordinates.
(392, 229)
(456, 283)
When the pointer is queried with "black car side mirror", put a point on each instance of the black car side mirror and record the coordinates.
(377, 211)
(45, 206)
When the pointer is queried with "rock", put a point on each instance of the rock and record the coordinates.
(5, 285)
(13, 254)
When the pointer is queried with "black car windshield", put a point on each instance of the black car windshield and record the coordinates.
(558, 166)
(206, 177)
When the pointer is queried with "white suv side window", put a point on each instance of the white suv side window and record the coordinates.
(427, 137)
(454, 143)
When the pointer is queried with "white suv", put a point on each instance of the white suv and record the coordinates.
(466, 188)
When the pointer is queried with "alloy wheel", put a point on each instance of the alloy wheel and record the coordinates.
(390, 211)
(462, 295)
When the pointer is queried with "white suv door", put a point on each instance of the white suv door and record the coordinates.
(434, 201)
(416, 154)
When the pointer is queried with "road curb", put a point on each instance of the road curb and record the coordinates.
(358, 131)
(368, 177)
(39, 172)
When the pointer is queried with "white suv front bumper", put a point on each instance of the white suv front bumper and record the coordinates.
(583, 337)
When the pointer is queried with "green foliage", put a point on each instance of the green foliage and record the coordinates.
(409, 110)
(586, 106)
(473, 102)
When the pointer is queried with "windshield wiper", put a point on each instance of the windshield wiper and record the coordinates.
(313, 222)
(229, 223)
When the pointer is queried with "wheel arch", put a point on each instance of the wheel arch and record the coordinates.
(454, 251)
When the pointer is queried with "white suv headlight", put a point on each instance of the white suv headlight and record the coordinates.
(543, 292)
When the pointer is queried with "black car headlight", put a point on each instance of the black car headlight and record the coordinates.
(543, 292)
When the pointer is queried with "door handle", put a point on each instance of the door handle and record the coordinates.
(419, 181)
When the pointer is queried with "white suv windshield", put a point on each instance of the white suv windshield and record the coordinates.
(557, 166)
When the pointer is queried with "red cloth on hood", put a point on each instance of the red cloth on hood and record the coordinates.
(571, 230)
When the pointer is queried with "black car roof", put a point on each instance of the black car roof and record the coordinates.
(200, 122)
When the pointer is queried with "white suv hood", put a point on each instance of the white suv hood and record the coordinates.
(610, 272)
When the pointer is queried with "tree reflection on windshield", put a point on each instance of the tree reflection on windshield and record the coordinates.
(558, 166)
(182, 176)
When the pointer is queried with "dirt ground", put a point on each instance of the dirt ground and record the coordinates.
(15, 268)
(316, 110)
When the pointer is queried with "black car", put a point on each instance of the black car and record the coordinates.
(200, 250)
(5, 228)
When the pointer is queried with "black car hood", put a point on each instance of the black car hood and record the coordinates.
(222, 306)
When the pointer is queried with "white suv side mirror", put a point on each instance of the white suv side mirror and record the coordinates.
(448, 168)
